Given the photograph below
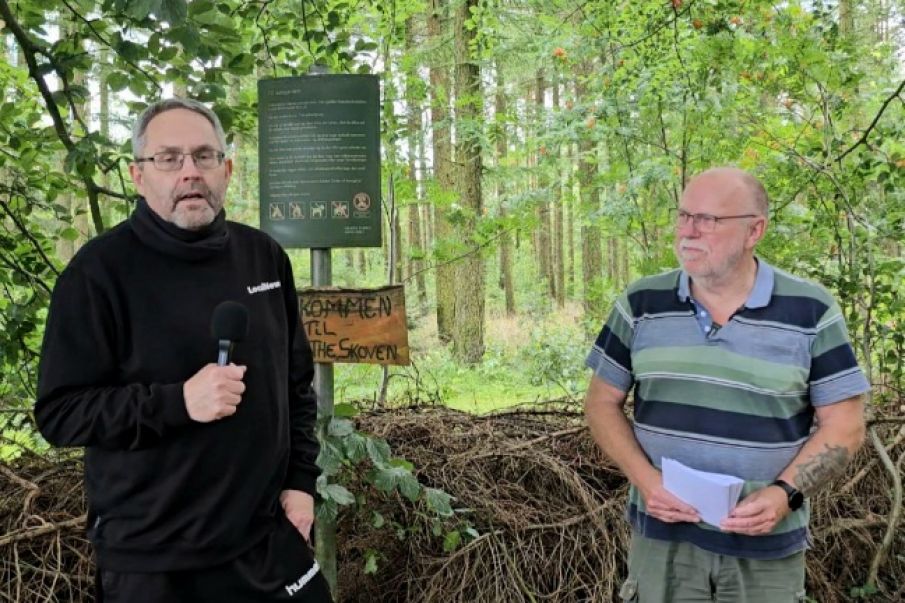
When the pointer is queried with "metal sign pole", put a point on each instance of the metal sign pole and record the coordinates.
(325, 532)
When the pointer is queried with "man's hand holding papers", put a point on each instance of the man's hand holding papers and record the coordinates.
(713, 494)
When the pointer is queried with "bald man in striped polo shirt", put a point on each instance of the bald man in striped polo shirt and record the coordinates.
(738, 368)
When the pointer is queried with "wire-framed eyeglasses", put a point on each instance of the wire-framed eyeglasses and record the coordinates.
(705, 222)
(170, 161)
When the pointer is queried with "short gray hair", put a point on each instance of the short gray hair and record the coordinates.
(162, 106)
(755, 188)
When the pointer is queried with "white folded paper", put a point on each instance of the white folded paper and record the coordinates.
(713, 494)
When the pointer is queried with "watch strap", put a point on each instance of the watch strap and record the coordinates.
(794, 496)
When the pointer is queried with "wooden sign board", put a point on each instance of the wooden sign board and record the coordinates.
(356, 325)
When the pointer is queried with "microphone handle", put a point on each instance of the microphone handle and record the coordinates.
(224, 349)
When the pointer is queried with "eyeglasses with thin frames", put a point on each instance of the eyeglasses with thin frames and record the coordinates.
(705, 222)
(170, 161)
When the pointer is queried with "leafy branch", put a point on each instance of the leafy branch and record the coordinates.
(873, 123)
(31, 50)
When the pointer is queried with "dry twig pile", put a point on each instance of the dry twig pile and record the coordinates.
(549, 510)
(547, 507)
(44, 554)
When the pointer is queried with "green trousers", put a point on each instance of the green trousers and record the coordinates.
(679, 572)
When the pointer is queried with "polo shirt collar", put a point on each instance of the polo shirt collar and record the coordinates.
(760, 294)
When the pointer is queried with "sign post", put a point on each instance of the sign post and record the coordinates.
(319, 170)
(324, 532)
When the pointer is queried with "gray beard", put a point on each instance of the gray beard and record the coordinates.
(194, 220)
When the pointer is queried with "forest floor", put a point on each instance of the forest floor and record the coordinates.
(529, 358)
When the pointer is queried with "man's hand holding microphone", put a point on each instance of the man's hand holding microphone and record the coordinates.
(216, 390)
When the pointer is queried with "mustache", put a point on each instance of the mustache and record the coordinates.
(686, 244)
(194, 189)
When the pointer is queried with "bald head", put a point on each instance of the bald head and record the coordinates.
(732, 181)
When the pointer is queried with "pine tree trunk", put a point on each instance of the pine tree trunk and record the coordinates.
(443, 173)
(558, 280)
(506, 239)
(570, 222)
(542, 210)
(591, 257)
(414, 263)
(468, 328)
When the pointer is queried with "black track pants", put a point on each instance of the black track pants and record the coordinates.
(279, 568)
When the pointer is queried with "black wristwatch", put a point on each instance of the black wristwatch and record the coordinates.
(796, 498)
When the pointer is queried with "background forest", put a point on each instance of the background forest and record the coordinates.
(532, 152)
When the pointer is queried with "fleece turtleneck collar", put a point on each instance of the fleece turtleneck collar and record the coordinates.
(169, 239)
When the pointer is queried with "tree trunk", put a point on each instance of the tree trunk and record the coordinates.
(415, 265)
(570, 221)
(558, 277)
(846, 18)
(468, 328)
(501, 148)
(362, 262)
(443, 174)
(542, 209)
(591, 257)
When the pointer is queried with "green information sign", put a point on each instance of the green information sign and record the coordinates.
(319, 160)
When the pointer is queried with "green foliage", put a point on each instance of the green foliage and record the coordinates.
(351, 457)
(863, 592)
(555, 354)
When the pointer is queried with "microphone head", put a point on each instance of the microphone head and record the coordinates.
(230, 321)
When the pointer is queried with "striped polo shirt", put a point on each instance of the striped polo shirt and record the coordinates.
(737, 398)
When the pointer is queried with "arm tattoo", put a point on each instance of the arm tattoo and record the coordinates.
(821, 469)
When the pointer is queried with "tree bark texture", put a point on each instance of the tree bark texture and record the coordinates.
(445, 284)
(506, 281)
(468, 327)
(542, 209)
(558, 276)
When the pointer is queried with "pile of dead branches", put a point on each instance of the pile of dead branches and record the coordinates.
(44, 555)
(548, 511)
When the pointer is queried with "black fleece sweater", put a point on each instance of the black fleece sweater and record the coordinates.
(129, 323)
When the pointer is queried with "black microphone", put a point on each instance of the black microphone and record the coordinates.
(229, 325)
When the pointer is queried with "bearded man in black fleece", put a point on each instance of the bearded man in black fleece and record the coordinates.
(200, 478)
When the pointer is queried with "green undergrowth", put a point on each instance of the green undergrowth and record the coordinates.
(519, 367)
